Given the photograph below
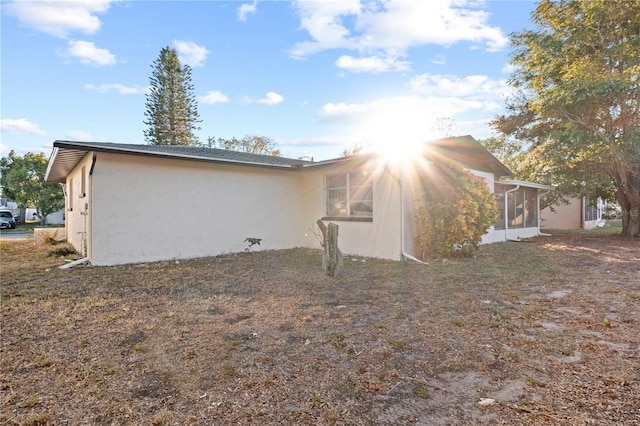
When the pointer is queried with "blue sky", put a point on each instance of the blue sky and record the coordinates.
(315, 76)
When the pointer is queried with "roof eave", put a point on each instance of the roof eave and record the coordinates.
(61, 163)
(125, 150)
(52, 158)
(527, 184)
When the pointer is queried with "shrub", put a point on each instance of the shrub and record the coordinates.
(457, 209)
(65, 249)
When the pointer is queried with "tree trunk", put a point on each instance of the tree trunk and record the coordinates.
(332, 257)
(627, 179)
(630, 216)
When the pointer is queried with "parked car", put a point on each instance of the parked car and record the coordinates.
(7, 221)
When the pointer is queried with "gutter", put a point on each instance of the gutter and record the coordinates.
(506, 214)
(74, 263)
(540, 214)
(402, 250)
(93, 163)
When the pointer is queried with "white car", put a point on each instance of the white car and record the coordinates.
(7, 221)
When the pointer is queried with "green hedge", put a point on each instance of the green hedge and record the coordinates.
(457, 209)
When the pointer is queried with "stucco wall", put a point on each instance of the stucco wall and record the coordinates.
(566, 216)
(148, 209)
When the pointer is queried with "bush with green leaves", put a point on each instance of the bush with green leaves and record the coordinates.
(457, 209)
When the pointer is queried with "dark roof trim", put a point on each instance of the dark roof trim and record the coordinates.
(67, 154)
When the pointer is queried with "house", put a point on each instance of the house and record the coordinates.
(140, 203)
(577, 213)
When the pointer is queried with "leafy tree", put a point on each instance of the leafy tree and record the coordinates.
(354, 149)
(457, 209)
(577, 76)
(22, 180)
(250, 144)
(443, 127)
(171, 107)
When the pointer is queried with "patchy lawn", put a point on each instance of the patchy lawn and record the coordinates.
(532, 333)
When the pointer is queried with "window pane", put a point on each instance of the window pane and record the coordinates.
(500, 202)
(336, 195)
(360, 178)
(362, 208)
(531, 207)
(516, 209)
(336, 208)
(362, 193)
(336, 181)
(356, 199)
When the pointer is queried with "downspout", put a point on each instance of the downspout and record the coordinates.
(66, 203)
(506, 213)
(540, 214)
(402, 250)
(93, 163)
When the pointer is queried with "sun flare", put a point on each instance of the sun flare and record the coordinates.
(399, 151)
(395, 137)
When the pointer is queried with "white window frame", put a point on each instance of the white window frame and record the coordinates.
(346, 193)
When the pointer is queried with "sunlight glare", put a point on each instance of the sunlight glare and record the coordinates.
(396, 141)
(398, 135)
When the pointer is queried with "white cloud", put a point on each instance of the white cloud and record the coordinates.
(471, 86)
(190, 53)
(403, 118)
(89, 54)
(388, 29)
(117, 87)
(439, 60)
(371, 64)
(20, 125)
(246, 9)
(323, 21)
(272, 98)
(469, 100)
(213, 97)
(59, 18)
(508, 69)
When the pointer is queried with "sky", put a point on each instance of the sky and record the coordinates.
(315, 76)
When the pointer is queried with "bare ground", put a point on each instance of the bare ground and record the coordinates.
(544, 332)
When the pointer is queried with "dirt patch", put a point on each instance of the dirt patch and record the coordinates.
(542, 332)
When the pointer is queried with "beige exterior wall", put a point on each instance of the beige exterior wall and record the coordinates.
(148, 209)
(144, 208)
(78, 206)
(566, 216)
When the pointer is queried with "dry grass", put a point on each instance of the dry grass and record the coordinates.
(548, 329)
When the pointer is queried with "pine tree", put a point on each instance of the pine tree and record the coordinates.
(171, 107)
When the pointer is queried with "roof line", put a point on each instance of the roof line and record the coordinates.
(125, 150)
(525, 183)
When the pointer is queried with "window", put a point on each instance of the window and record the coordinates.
(83, 182)
(515, 208)
(590, 210)
(349, 195)
(499, 194)
(522, 207)
(531, 207)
